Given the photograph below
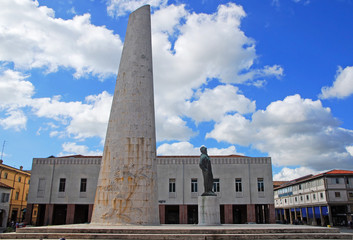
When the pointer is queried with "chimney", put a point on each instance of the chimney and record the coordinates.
(1, 161)
(21, 168)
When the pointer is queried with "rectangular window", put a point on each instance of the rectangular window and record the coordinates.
(216, 185)
(5, 197)
(171, 184)
(301, 198)
(337, 181)
(296, 199)
(16, 195)
(62, 184)
(238, 185)
(260, 185)
(194, 185)
(300, 186)
(337, 194)
(5, 175)
(314, 196)
(19, 179)
(41, 187)
(26, 196)
(307, 197)
(350, 194)
(83, 185)
(321, 195)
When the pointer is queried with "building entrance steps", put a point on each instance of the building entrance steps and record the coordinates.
(224, 232)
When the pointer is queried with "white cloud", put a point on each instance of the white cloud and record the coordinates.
(34, 38)
(83, 120)
(122, 7)
(71, 148)
(16, 120)
(15, 90)
(182, 65)
(31, 37)
(212, 104)
(293, 132)
(342, 86)
(186, 148)
(350, 150)
(287, 174)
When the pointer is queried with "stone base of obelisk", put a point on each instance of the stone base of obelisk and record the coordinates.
(209, 212)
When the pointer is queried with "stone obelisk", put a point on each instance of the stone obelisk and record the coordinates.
(127, 183)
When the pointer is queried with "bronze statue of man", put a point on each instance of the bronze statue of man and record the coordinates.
(205, 165)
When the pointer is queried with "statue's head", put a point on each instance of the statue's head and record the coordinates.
(203, 149)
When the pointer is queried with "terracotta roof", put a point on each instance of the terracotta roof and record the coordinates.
(15, 169)
(278, 183)
(339, 172)
(5, 186)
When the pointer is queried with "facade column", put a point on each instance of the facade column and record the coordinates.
(307, 216)
(28, 216)
(90, 210)
(290, 216)
(162, 214)
(272, 213)
(228, 213)
(183, 214)
(314, 223)
(295, 215)
(301, 214)
(349, 216)
(285, 215)
(330, 214)
(70, 214)
(48, 216)
(322, 217)
(250, 211)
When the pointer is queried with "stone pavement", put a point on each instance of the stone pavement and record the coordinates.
(192, 232)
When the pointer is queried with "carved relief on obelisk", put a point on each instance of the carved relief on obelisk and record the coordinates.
(127, 183)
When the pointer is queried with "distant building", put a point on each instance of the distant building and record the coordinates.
(322, 199)
(5, 192)
(19, 180)
(62, 189)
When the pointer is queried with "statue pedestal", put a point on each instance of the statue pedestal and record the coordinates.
(209, 212)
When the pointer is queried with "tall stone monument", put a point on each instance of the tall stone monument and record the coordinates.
(127, 183)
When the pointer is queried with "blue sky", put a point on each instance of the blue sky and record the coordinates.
(256, 78)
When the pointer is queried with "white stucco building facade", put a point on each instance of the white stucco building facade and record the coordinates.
(62, 189)
(321, 199)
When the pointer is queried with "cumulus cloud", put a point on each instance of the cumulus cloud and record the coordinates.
(31, 37)
(15, 90)
(15, 119)
(182, 65)
(71, 148)
(207, 106)
(342, 86)
(83, 119)
(122, 7)
(186, 148)
(293, 132)
(287, 174)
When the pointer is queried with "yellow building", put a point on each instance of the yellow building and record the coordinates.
(18, 179)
